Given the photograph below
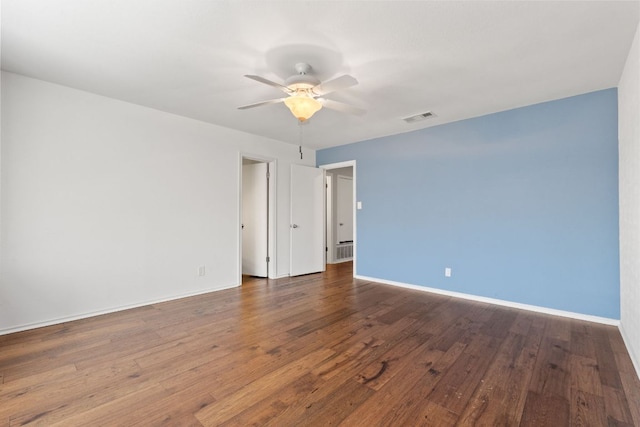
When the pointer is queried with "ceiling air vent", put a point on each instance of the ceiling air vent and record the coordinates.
(419, 117)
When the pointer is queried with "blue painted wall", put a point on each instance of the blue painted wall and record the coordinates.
(522, 205)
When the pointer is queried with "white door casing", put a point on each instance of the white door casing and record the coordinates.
(307, 220)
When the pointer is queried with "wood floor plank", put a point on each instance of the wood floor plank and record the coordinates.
(335, 406)
(160, 411)
(550, 375)
(500, 322)
(79, 394)
(617, 405)
(295, 412)
(273, 407)
(398, 401)
(109, 412)
(364, 353)
(381, 371)
(522, 323)
(632, 393)
(585, 375)
(462, 378)
(545, 410)
(11, 394)
(587, 409)
(321, 322)
(321, 349)
(607, 366)
(225, 407)
(434, 415)
(560, 329)
(348, 359)
(499, 400)
(582, 342)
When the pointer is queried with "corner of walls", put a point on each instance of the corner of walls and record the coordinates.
(629, 184)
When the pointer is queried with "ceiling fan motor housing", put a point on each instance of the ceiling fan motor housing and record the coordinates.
(302, 80)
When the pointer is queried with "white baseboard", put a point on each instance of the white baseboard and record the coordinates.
(634, 357)
(108, 310)
(538, 309)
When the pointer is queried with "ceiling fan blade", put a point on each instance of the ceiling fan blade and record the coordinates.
(268, 82)
(343, 108)
(258, 104)
(338, 83)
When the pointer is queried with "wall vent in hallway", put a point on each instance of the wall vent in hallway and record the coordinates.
(344, 251)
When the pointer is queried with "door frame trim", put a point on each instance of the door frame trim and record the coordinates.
(339, 165)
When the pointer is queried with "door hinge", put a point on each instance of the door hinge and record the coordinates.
(268, 259)
(268, 175)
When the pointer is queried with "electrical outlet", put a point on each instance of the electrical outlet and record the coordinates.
(201, 271)
(447, 272)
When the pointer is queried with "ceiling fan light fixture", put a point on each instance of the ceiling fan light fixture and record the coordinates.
(303, 90)
(302, 107)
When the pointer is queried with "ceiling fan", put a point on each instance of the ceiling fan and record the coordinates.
(304, 92)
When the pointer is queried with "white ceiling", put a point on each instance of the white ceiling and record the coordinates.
(188, 57)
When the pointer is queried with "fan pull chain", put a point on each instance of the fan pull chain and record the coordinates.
(300, 147)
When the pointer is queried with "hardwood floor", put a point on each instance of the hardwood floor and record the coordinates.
(322, 349)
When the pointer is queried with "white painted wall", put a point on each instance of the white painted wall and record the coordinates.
(629, 182)
(107, 204)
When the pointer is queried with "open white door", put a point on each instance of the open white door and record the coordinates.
(254, 219)
(344, 209)
(307, 220)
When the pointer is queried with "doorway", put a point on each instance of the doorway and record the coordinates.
(341, 213)
(256, 218)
